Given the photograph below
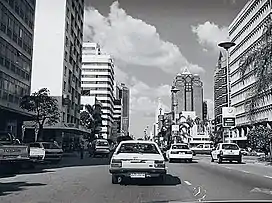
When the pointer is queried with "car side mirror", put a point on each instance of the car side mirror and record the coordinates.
(194, 153)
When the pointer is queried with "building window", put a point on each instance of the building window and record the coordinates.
(20, 33)
(64, 86)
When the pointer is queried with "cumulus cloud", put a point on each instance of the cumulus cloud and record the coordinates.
(209, 35)
(145, 98)
(133, 41)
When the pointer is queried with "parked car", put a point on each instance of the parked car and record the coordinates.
(137, 159)
(13, 154)
(202, 149)
(245, 152)
(226, 151)
(179, 151)
(53, 152)
(99, 147)
(37, 152)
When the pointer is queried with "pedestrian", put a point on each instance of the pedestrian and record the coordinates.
(81, 150)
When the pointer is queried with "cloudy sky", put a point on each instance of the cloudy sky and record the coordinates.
(153, 40)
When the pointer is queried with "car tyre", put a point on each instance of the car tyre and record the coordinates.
(114, 179)
(219, 160)
(240, 161)
(212, 160)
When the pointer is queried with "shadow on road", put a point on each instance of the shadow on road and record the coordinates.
(184, 162)
(8, 188)
(169, 180)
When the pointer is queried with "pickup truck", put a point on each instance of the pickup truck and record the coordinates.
(13, 154)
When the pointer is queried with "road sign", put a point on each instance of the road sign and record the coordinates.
(228, 122)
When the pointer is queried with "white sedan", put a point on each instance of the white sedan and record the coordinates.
(137, 159)
(179, 151)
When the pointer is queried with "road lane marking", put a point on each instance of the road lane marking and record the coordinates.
(262, 190)
(187, 182)
(245, 171)
(268, 177)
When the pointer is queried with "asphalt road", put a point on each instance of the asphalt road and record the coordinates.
(88, 180)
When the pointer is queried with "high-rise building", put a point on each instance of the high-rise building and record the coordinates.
(98, 81)
(16, 49)
(220, 92)
(190, 94)
(125, 108)
(246, 31)
(117, 119)
(57, 56)
(122, 93)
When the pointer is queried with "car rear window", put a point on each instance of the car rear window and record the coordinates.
(230, 146)
(36, 145)
(180, 147)
(50, 146)
(145, 148)
(102, 143)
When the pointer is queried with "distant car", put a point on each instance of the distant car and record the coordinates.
(179, 151)
(137, 159)
(202, 149)
(99, 147)
(245, 152)
(226, 152)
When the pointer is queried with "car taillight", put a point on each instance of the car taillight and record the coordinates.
(116, 163)
(221, 152)
(159, 164)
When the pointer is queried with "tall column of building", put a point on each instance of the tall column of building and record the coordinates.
(57, 57)
(125, 108)
(98, 81)
(16, 51)
(220, 92)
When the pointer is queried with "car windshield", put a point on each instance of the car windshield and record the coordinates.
(180, 147)
(230, 146)
(50, 146)
(145, 148)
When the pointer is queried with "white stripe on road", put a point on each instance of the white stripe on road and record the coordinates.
(187, 182)
(245, 171)
(268, 177)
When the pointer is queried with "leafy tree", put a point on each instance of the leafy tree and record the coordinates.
(91, 118)
(43, 106)
(260, 137)
(259, 64)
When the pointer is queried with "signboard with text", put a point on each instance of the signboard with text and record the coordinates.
(228, 117)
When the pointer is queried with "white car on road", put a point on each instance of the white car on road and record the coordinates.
(179, 151)
(226, 151)
(137, 159)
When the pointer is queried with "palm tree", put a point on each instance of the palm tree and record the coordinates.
(259, 64)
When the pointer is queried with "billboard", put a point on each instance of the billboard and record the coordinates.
(228, 116)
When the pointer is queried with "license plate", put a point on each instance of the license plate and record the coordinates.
(137, 175)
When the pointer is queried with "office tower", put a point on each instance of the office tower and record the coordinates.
(16, 50)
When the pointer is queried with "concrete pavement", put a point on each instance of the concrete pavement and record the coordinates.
(88, 180)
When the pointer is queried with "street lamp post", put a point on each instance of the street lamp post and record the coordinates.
(227, 46)
(174, 91)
